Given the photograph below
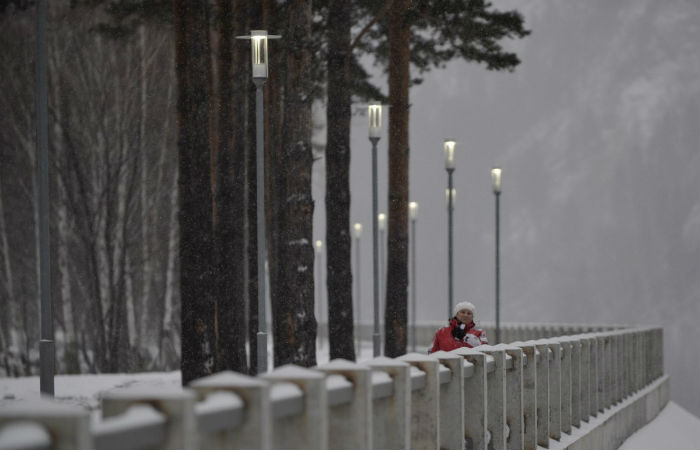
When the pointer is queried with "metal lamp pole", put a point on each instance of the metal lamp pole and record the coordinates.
(449, 148)
(258, 42)
(358, 233)
(413, 214)
(375, 129)
(47, 351)
(319, 284)
(381, 221)
(496, 173)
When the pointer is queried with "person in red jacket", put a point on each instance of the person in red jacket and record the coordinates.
(461, 331)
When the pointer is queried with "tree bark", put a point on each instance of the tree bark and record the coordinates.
(229, 198)
(338, 239)
(396, 311)
(194, 187)
(293, 312)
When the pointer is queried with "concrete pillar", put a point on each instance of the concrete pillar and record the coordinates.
(594, 375)
(451, 398)
(514, 399)
(566, 383)
(555, 383)
(575, 381)
(67, 426)
(176, 404)
(255, 430)
(308, 430)
(542, 392)
(475, 399)
(585, 369)
(602, 372)
(425, 403)
(350, 424)
(496, 398)
(529, 395)
(391, 416)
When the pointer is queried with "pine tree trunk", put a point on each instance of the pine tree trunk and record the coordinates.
(338, 240)
(229, 200)
(396, 312)
(293, 315)
(197, 306)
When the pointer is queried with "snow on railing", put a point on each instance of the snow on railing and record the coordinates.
(522, 395)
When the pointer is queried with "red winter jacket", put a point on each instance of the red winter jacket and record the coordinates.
(444, 340)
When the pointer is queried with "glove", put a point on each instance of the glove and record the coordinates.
(472, 340)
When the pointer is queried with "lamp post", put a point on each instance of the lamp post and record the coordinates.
(47, 352)
(319, 283)
(413, 214)
(449, 148)
(357, 228)
(496, 173)
(258, 45)
(381, 222)
(375, 130)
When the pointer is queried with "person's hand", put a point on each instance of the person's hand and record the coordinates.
(472, 340)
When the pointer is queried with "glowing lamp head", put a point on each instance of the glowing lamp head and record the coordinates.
(413, 210)
(258, 42)
(375, 120)
(449, 147)
(381, 221)
(358, 230)
(496, 173)
(319, 246)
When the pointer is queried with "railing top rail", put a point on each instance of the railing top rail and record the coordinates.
(220, 410)
(24, 434)
(340, 390)
(139, 426)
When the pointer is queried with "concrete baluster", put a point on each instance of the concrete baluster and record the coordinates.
(425, 403)
(496, 397)
(602, 370)
(255, 430)
(575, 380)
(593, 375)
(555, 400)
(350, 424)
(308, 430)
(451, 398)
(67, 427)
(514, 399)
(530, 389)
(566, 377)
(391, 416)
(585, 370)
(475, 399)
(542, 392)
(659, 352)
(176, 404)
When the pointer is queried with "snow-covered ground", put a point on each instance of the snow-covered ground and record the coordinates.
(674, 429)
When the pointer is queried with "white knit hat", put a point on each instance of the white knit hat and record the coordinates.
(464, 305)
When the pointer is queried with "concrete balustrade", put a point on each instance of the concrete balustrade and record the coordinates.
(506, 396)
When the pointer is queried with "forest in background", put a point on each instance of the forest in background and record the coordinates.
(150, 114)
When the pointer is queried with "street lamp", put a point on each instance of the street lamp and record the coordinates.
(357, 228)
(413, 214)
(375, 130)
(449, 148)
(259, 58)
(319, 283)
(496, 173)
